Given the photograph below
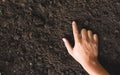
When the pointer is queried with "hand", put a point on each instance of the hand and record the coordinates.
(85, 50)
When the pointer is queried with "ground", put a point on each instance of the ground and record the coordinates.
(31, 34)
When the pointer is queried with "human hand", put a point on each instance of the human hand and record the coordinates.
(85, 49)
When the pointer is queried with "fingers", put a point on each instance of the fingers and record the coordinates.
(75, 31)
(95, 37)
(87, 35)
(67, 45)
(90, 35)
(84, 34)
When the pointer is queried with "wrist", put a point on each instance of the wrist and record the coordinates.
(94, 68)
(90, 62)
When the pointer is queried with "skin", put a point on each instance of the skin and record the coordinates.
(85, 50)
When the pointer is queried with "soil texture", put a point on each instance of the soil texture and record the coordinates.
(31, 34)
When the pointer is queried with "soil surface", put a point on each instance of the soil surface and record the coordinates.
(31, 33)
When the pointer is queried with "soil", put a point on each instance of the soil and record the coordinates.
(31, 33)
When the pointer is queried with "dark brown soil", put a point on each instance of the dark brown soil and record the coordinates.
(31, 33)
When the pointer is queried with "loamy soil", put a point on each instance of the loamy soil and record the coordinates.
(31, 33)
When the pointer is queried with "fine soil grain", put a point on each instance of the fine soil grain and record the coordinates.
(31, 34)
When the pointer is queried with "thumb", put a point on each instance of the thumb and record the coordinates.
(67, 45)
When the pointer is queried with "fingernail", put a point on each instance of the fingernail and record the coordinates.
(63, 39)
(73, 22)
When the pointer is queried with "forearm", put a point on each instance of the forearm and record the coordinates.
(95, 68)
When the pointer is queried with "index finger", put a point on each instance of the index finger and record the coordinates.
(75, 31)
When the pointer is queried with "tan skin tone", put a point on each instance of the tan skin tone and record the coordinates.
(85, 50)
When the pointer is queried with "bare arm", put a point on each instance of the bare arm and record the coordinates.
(85, 50)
